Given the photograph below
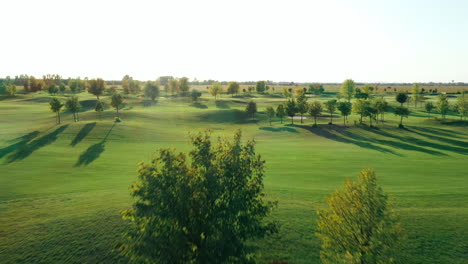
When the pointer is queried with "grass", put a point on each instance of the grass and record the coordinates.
(62, 186)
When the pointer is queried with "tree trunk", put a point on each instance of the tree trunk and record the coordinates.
(331, 118)
(401, 121)
(315, 120)
(58, 116)
(344, 120)
(292, 120)
(301, 118)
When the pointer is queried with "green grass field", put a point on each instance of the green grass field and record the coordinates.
(62, 186)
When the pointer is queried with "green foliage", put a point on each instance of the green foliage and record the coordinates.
(99, 108)
(316, 89)
(77, 85)
(151, 90)
(200, 212)
(3, 88)
(52, 89)
(462, 105)
(416, 94)
(116, 102)
(216, 89)
(11, 89)
(251, 108)
(401, 97)
(429, 106)
(130, 86)
(96, 87)
(73, 105)
(56, 106)
(195, 94)
(184, 85)
(291, 109)
(402, 112)
(443, 105)
(260, 86)
(302, 103)
(359, 107)
(270, 113)
(330, 105)
(381, 106)
(347, 89)
(233, 88)
(315, 110)
(280, 112)
(359, 226)
(345, 109)
(62, 87)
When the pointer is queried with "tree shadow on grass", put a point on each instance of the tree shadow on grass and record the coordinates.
(279, 129)
(84, 131)
(94, 151)
(148, 103)
(222, 104)
(199, 105)
(21, 142)
(339, 134)
(27, 149)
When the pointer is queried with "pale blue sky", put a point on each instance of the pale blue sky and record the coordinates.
(324, 41)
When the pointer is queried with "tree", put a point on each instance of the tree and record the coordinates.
(382, 106)
(99, 108)
(62, 87)
(360, 107)
(52, 89)
(76, 85)
(215, 89)
(260, 86)
(280, 112)
(330, 105)
(291, 109)
(316, 88)
(96, 87)
(251, 108)
(401, 97)
(345, 109)
(151, 90)
(371, 112)
(315, 110)
(116, 102)
(174, 86)
(56, 106)
(416, 95)
(270, 113)
(462, 105)
(73, 105)
(302, 104)
(11, 89)
(195, 94)
(402, 112)
(359, 226)
(443, 105)
(347, 89)
(233, 88)
(200, 212)
(429, 107)
(184, 85)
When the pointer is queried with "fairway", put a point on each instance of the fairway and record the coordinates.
(62, 187)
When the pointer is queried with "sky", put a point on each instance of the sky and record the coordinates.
(242, 40)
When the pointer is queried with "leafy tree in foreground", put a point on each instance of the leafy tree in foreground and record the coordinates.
(280, 112)
(73, 105)
(291, 109)
(270, 113)
(360, 107)
(116, 102)
(184, 85)
(251, 109)
(52, 89)
(402, 112)
(315, 110)
(195, 94)
(382, 106)
(62, 87)
(331, 107)
(97, 87)
(345, 109)
(200, 212)
(151, 90)
(233, 88)
(56, 106)
(429, 107)
(359, 226)
(260, 86)
(442, 105)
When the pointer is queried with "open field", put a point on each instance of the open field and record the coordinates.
(62, 186)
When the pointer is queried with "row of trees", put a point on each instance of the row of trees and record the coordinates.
(72, 104)
(205, 207)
